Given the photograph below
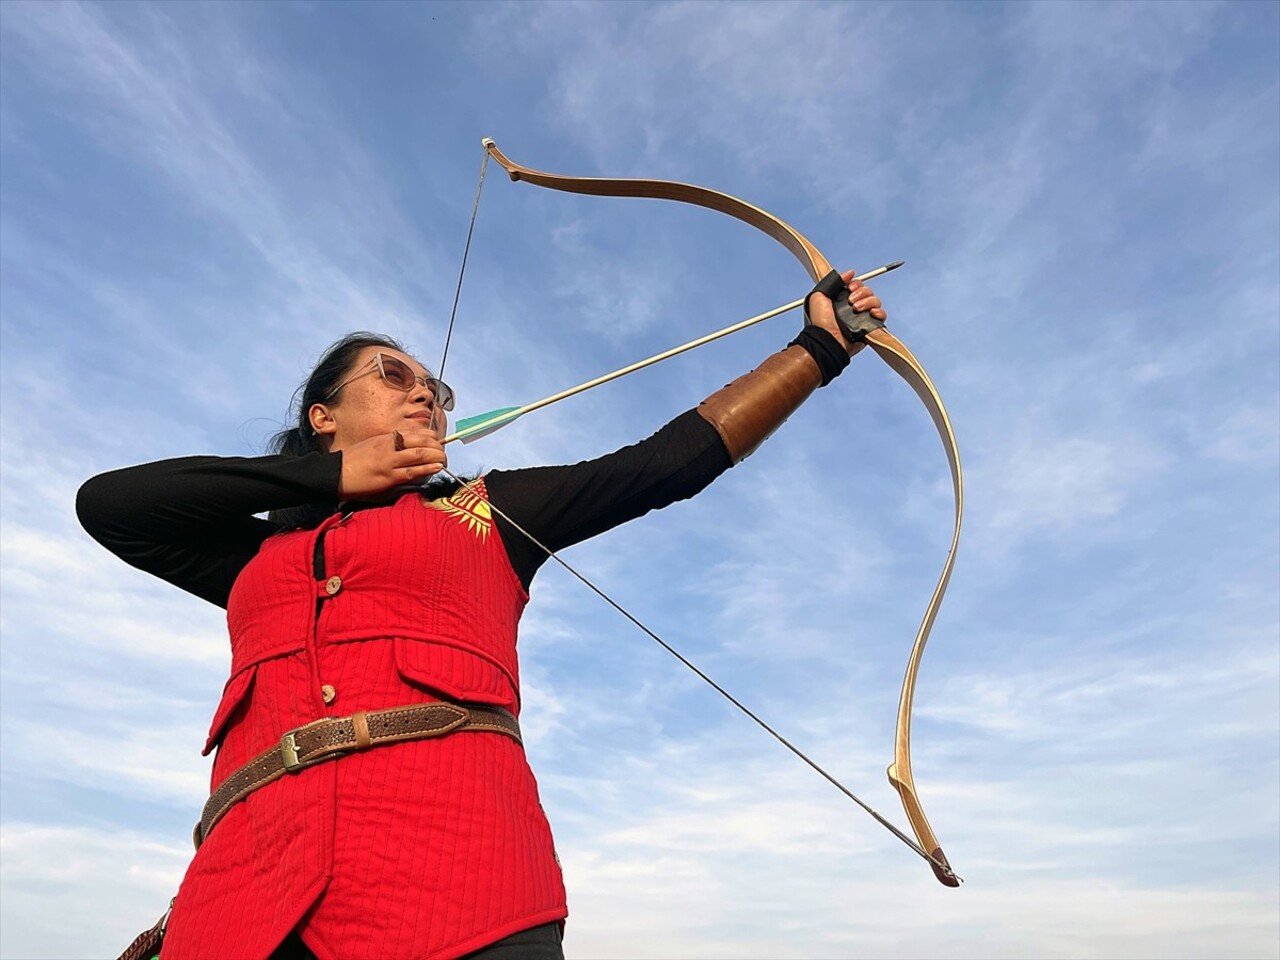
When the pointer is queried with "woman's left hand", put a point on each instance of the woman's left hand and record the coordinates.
(861, 298)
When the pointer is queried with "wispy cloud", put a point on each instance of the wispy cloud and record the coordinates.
(90, 892)
(194, 204)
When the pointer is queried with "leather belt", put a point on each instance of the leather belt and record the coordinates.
(333, 737)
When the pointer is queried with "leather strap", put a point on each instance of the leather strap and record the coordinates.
(147, 944)
(333, 737)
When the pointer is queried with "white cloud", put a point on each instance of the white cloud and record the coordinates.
(1094, 295)
(1248, 436)
(1058, 486)
(82, 892)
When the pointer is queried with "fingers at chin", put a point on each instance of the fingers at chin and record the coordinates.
(425, 472)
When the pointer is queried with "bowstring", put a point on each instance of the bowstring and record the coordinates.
(457, 291)
(883, 821)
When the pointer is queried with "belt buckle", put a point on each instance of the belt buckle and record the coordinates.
(289, 751)
(289, 748)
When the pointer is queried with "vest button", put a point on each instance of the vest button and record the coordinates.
(333, 585)
(328, 693)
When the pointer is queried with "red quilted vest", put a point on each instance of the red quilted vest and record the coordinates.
(425, 849)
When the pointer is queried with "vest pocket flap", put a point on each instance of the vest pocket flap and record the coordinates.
(233, 695)
(452, 673)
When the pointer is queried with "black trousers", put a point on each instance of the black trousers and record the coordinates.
(536, 943)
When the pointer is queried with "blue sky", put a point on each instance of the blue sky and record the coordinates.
(196, 199)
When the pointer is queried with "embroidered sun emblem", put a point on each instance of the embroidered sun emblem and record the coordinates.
(470, 509)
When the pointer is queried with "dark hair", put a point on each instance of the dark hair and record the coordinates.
(299, 440)
(331, 370)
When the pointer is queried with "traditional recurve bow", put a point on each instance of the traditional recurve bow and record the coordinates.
(900, 359)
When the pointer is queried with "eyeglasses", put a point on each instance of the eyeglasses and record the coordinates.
(399, 375)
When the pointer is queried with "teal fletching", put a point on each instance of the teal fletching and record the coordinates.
(473, 428)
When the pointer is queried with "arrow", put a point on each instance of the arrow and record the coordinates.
(473, 428)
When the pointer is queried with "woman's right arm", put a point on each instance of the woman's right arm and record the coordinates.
(191, 521)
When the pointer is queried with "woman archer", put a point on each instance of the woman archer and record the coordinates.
(371, 795)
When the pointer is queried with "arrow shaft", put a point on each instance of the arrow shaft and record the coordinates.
(649, 361)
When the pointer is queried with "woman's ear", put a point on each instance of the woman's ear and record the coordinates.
(322, 422)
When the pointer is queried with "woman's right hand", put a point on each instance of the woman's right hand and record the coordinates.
(382, 462)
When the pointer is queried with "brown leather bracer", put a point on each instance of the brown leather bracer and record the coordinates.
(748, 410)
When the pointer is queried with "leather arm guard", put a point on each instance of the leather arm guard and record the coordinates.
(750, 408)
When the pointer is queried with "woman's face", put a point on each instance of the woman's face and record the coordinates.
(368, 406)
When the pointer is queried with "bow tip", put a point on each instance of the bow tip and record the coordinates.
(942, 868)
(491, 148)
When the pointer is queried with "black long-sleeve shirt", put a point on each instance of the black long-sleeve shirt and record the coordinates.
(192, 521)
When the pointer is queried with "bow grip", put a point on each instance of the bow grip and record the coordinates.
(853, 324)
